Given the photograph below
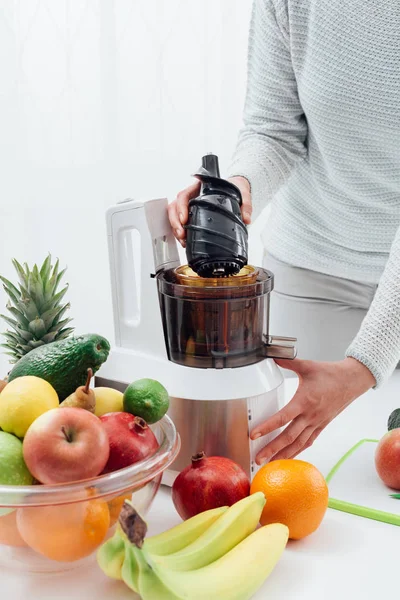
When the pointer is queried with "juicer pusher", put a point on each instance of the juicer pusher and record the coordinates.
(216, 237)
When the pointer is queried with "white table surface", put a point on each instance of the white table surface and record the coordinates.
(349, 557)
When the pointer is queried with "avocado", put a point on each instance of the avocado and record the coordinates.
(394, 420)
(64, 364)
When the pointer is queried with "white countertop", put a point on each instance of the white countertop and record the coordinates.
(348, 557)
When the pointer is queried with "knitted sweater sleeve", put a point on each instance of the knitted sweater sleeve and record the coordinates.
(273, 136)
(377, 344)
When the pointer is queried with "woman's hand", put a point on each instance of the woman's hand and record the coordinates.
(178, 209)
(325, 390)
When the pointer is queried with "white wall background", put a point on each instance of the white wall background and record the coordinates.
(104, 99)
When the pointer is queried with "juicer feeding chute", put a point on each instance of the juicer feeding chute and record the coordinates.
(216, 237)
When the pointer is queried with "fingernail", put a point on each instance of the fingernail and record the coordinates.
(256, 436)
(178, 231)
(181, 217)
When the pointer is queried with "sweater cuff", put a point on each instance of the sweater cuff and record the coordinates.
(254, 168)
(380, 373)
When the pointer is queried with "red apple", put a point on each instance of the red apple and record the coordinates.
(66, 445)
(131, 440)
(387, 459)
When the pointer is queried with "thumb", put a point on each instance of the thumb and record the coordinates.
(247, 208)
(296, 365)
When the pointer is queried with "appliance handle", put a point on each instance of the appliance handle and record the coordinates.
(280, 347)
(139, 239)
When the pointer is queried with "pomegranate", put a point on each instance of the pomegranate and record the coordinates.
(131, 440)
(209, 482)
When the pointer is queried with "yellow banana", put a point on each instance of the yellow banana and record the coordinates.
(225, 533)
(130, 567)
(148, 583)
(110, 556)
(183, 534)
(235, 576)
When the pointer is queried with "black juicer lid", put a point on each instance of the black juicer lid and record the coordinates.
(217, 238)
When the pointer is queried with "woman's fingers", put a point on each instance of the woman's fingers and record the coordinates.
(182, 201)
(288, 437)
(297, 365)
(247, 207)
(176, 224)
(178, 211)
(278, 420)
(301, 443)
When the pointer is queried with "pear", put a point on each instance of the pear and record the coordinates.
(83, 397)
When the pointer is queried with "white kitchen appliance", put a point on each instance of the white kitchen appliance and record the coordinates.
(205, 339)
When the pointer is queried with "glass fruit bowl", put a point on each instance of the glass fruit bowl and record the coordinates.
(53, 528)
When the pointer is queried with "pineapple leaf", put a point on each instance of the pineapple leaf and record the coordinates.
(37, 327)
(29, 308)
(11, 336)
(60, 325)
(18, 315)
(25, 336)
(53, 283)
(50, 337)
(46, 268)
(58, 278)
(54, 300)
(10, 322)
(55, 269)
(26, 348)
(64, 333)
(10, 286)
(14, 299)
(51, 317)
(21, 273)
(35, 344)
(35, 288)
(13, 355)
(10, 346)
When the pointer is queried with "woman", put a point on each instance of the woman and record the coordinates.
(321, 142)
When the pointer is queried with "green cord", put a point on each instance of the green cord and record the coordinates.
(356, 509)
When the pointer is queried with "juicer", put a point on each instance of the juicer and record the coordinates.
(202, 328)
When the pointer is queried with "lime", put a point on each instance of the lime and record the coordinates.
(146, 398)
(22, 401)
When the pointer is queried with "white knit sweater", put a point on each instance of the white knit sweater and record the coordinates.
(321, 139)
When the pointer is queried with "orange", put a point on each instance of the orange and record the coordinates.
(9, 534)
(115, 505)
(296, 493)
(67, 532)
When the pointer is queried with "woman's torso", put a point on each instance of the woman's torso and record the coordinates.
(340, 210)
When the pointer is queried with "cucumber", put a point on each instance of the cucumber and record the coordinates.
(64, 364)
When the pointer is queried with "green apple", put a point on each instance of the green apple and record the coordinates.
(13, 470)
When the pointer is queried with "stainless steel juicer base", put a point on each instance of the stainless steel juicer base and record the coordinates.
(217, 427)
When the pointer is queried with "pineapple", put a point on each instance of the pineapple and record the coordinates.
(36, 308)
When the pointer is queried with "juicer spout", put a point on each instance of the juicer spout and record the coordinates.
(280, 347)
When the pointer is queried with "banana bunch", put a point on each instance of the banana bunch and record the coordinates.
(216, 554)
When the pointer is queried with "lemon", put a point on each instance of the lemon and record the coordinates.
(146, 398)
(107, 400)
(22, 401)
